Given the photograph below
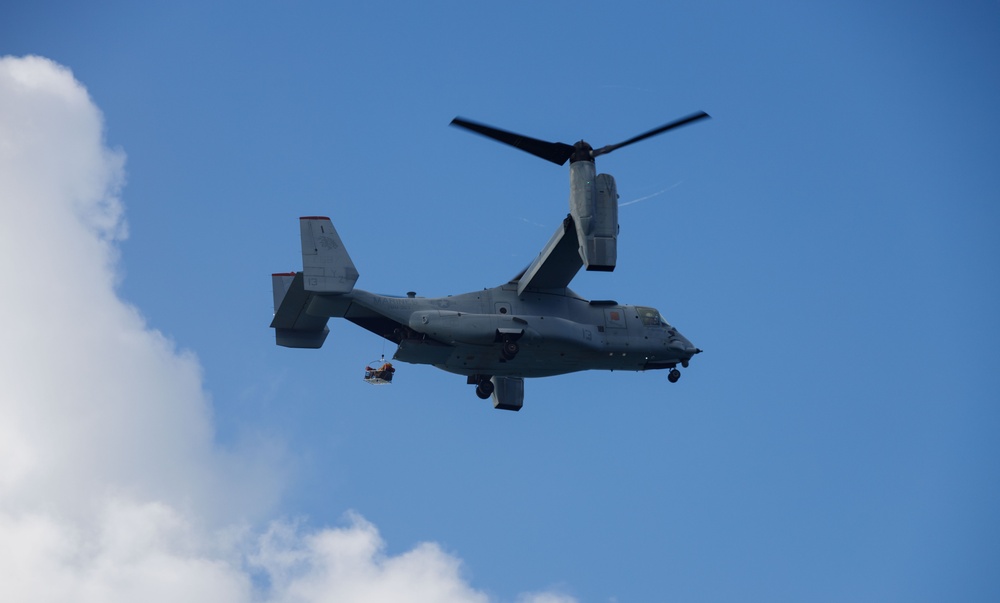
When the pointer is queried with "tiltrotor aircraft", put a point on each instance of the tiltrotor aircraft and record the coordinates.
(531, 326)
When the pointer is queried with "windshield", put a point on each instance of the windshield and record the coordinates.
(649, 316)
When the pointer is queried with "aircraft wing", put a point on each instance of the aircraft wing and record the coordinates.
(557, 264)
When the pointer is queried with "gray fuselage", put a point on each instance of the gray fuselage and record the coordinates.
(557, 332)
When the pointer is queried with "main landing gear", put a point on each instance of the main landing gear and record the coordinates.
(484, 386)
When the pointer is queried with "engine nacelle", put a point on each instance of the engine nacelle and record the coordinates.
(602, 243)
(462, 327)
(593, 203)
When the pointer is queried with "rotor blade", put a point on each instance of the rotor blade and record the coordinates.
(670, 126)
(556, 152)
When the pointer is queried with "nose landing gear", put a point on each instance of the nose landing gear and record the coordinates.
(673, 375)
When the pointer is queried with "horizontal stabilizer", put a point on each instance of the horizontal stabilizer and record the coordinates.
(293, 326)
(326, 266)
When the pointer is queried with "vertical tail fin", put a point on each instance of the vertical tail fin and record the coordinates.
(326, 266)
(281, 282)
(326, 269)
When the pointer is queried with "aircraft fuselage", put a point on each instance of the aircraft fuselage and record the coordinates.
(555, 332)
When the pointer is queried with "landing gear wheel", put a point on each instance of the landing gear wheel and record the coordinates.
(509, 350)
(484, 389)
(673, 376)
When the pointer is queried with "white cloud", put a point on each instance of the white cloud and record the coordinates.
(349, 564)
(111, 485)
(92, 398)
(545, 598)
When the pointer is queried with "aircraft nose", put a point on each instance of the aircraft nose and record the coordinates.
(683, 347)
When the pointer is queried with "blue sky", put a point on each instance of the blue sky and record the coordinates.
(829, 238)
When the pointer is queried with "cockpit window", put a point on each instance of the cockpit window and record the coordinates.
(649, 316)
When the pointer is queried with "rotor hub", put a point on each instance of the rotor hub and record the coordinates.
(582, 151)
